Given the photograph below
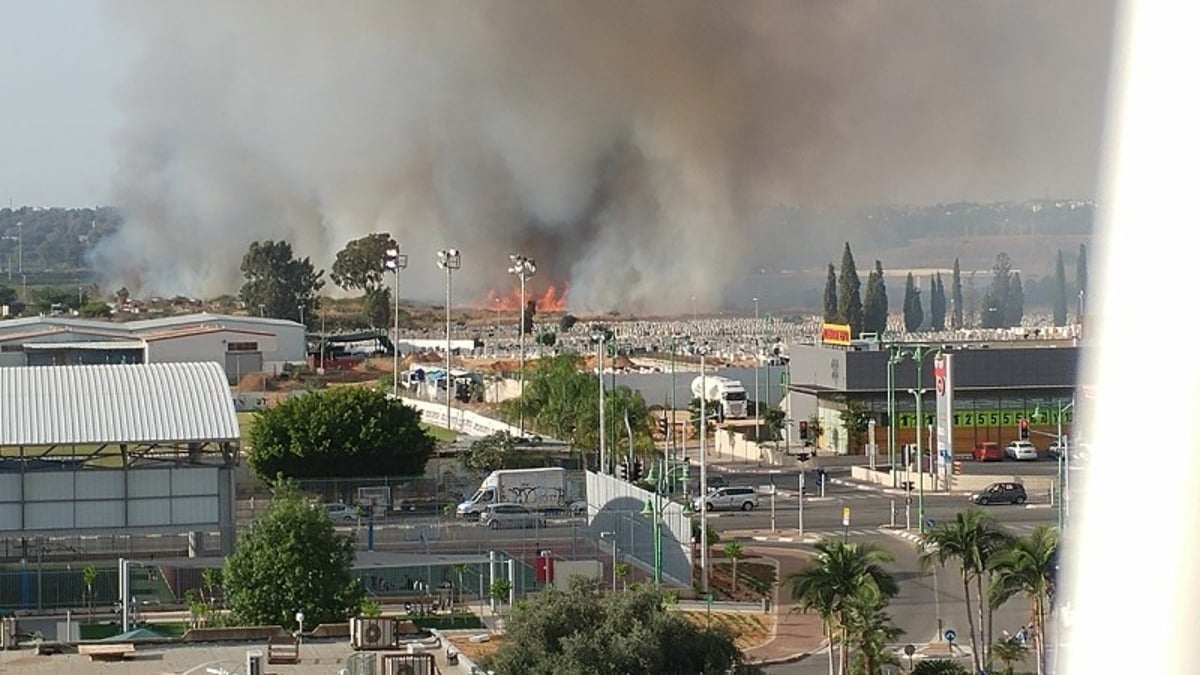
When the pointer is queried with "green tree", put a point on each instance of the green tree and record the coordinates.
(8, 295)
(831, 296)
(994, 312)
(499, 591)
(279, 285)
(1060, 291)
(1010, 651)
(871, 630)
(913, 314)
(583, 631)
(290, 560)
(1081, 281)
(875, 302)
(1027, 567)
(360, 266)
(89, 587)
(345, 431)
(939, 667)
(831, 584)
(970, 539)
(937, 304)
(733, 551)
(377, 307)
(850, 306)
(1014, 311)
(496, 451)
(95, 309)
(956, 297)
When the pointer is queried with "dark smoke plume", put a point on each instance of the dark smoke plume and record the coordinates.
(625, 145)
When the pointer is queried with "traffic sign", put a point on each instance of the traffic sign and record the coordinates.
(908, 500)
(845, 516)
(909, 650)
(950, 635)
(929, 523)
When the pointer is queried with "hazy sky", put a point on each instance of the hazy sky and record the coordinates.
(59, 64)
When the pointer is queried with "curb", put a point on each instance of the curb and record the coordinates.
(905, 534)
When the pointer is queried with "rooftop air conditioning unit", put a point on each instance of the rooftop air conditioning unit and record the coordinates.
(372, 632)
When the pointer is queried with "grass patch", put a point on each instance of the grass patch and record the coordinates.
(439, 433)
(748, 630)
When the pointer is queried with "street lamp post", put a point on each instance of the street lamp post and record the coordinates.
(598, 336)
(613, 536)
(703, 472)
(395, 261)
(918, 393)
(523, 268)
(654, 509)
(757, 415)
(449, 259)
(894, 357)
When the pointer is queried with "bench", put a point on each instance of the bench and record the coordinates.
(108, 652)
(283, 651)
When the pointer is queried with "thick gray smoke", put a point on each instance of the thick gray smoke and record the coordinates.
(624, 145)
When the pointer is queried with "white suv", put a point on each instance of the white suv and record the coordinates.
(744, 498)
(1021, 450)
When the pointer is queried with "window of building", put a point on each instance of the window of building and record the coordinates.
(242, 347)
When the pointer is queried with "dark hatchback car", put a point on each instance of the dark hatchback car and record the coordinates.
(1000, 493)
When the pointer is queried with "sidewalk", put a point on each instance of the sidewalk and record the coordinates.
(796, 634)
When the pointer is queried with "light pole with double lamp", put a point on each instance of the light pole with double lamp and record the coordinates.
(703, 351)
(653, 509)
(449, 259)
(894, 356)
(523, 268)
(599, 337)
(757, 415)
(918, 354)
(395, 261)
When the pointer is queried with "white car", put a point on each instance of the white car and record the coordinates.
(744, 498)
(341, 513)
(1021, 450)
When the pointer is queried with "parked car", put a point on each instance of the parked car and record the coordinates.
(501, 515)
(1000, 493)
(744, 498)
(341, 513)
(1021, 450)
(716, 483)
(987, 451)
(1079, 451)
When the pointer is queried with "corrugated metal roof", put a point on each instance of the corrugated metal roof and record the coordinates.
(134, 403)
(204, 317)
(97, 345)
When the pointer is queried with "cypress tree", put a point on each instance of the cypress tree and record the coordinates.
(1014, 311)
(956, 291)
(994, 312)
(850, 306)
(831, 303)
(937, 304)
(913, 315)
(1060, 291)
(875, 302)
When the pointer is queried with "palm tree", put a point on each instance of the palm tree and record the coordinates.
(1010, 651)
(970, 539)
(871, 629)
(733, 551)
(1027, 567)
(840, 571)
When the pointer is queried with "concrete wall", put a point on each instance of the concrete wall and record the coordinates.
(1037, 487)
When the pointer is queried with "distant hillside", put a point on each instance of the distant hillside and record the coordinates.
(41, 240)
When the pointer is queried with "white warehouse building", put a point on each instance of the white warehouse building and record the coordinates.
(244, 344)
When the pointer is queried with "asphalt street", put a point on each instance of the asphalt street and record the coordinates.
(929, 603)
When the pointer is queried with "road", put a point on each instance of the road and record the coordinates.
(920, 611)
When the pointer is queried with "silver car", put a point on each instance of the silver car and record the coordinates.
(497, 516)
(744, 498)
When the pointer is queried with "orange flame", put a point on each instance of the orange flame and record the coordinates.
(549, 301)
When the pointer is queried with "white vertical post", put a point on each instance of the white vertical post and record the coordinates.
(512, 581)
(123, 591)
(491, 579)
(772, 505)
(801, 510)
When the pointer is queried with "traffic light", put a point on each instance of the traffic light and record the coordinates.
(635, 473)
(662, 425)
(623, 470)
(1024, 429)
(803, 427)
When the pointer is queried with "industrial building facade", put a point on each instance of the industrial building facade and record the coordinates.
(242, 344)
(995, 387)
